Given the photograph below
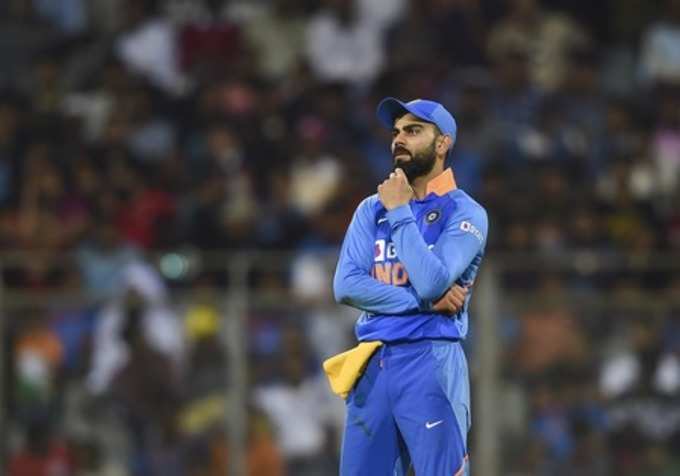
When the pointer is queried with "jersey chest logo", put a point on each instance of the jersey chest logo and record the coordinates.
(384, 250)
(386, 269)
(390, 273)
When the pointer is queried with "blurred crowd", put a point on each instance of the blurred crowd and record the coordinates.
(144, 145)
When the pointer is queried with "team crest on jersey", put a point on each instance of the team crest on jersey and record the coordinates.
(432, 216)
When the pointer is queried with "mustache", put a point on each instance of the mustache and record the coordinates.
(400, 150)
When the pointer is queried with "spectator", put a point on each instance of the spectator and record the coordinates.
(263, 457)
(329, 328)
(666, 143)
(659, 59)
(299, 412)
(342, 46)
(146, 386)
(45, 454)
(412, 40)
(276, 34)
(103, 258)
(143, 299)
(544, 38)
(315, 174)
(638, 368)
(9, 163)
(38, 359)
(147, 46)
(153, 137)
(381, 13)
(211, 44)
(70, 15)
(225, 208)
(466, 19)
(206, 374)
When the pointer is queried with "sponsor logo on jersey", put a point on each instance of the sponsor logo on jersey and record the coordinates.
(385, 271)
(379, 251)
(390, 273)
(468, 227)
(384, 250)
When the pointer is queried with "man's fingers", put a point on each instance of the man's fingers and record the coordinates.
(444, 305)
(400, 173)
(450, 307)
(457, 296)
(452, 302)
(458, 292)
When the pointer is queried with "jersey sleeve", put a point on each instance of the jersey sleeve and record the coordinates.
(433, 271)
(353, 284)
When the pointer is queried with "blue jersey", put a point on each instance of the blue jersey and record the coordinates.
(395, 264)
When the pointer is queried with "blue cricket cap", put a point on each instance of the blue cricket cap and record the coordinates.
(391, 108)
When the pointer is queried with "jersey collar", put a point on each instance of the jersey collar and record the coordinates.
(442, 183)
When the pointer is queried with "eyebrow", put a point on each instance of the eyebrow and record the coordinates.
(410, 125)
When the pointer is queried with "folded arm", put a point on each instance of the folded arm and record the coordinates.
(433, 272)
(353, 284)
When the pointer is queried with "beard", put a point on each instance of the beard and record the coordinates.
(421, 163)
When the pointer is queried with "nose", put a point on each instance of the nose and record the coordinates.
(398, 141)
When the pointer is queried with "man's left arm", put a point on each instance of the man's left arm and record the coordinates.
(433, 272)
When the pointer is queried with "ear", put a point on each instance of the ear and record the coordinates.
(444, 143)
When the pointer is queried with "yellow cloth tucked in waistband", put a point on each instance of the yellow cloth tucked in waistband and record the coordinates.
(343, 370)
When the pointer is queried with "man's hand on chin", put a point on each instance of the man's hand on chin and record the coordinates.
(395, 191)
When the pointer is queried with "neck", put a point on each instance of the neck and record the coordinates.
(419, 185)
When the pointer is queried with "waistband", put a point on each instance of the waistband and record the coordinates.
(408, 346)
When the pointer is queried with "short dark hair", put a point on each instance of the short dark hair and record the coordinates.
(436, 127)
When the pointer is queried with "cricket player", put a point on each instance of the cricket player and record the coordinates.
(408, 260)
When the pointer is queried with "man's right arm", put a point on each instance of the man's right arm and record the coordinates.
(353, 284)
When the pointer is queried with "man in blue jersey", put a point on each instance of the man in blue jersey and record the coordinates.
(409, 252)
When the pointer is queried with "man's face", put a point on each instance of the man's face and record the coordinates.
(413, 146)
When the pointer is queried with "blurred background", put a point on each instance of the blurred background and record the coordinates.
(176, 177)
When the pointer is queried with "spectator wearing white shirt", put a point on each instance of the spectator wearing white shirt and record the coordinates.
(304, 414)
(660, 51)
(148, 47)
(343, 46)
(159, 326)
